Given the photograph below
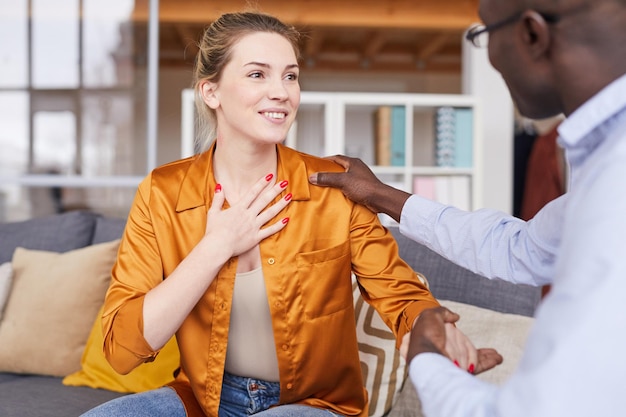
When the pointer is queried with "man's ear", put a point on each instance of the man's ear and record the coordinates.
(208, 91)
(535, 33)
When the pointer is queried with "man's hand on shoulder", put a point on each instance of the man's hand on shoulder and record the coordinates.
(361, 185)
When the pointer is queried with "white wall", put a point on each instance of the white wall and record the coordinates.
(482, 80)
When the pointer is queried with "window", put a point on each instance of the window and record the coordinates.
(73, 83)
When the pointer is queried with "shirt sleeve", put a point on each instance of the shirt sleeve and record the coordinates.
(386, 281)
(488, 242)
(446, 390)
(136, 271)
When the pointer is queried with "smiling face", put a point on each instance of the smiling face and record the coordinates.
(258, 93)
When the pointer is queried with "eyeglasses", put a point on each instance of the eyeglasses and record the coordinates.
(479, 35)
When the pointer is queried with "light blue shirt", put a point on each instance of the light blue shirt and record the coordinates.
(574, 363)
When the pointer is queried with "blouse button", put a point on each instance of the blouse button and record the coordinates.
(289, 385)
(271, 261)
(285, 347)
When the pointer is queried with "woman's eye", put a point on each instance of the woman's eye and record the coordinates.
(292, 77)
(256, 74)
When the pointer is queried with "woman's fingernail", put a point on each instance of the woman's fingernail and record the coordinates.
(288, 197)
(269, 177)
(457, 363)
(471, 368)
(284, 184)
(285, 220)
(218, 188)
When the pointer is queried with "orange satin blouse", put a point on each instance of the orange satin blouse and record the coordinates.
(307, 268)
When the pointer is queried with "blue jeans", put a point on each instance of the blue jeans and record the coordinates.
(241, 397)
(162, 402)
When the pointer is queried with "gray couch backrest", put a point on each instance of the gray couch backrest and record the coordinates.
(449, 281)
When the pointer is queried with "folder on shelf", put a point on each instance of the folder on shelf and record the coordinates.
(445, 119)
(463, 132)
(442, 190)
(382, 135)
(398, 135)
(459, 189)
(424, 187)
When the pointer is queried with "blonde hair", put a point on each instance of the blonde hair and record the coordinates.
(214, 53)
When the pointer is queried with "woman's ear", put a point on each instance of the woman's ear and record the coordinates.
(208, 90)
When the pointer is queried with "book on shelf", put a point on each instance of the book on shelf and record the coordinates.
(453, 137)
(453, 190)
(390, 135)
(444, 136)
(463, 130)
(398, 135)
(460, 192)
(382, 135)
(424, 186)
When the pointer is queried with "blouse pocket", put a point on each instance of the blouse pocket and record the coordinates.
(324, 278)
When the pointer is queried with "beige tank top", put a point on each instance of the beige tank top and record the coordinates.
(251, 351)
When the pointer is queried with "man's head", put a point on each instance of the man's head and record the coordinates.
(555, 54)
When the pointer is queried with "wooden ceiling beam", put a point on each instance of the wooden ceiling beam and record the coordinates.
(454, 15)
(432, 47)
(313, 43)
(373, 44)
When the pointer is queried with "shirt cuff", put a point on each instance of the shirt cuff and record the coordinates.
(418, 216)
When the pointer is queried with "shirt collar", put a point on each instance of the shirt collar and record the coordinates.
(199, 181)
(594, 112)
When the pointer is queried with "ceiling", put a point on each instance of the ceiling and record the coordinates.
(339, 35)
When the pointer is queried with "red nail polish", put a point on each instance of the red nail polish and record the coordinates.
(471, 368)
(288, 197)
(218, 188)
(285, 220)
(269, 177)
(284, 184)
(457, 363)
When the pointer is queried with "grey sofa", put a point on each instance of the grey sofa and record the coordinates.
(41, 396)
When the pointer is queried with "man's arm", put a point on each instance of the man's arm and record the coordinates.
(360, 185)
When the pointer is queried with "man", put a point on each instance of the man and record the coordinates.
(556, 56)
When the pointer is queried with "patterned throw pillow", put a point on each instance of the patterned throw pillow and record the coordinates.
(382, 366)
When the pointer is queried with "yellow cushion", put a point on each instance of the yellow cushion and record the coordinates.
(96, 372)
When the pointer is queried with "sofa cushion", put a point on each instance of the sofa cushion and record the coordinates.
(52, 306)
(108, 229)
(449, 281)
(44, 396)
(96, 372)
(8, 377)
(6, 278)
(507, 333)
(59, 233)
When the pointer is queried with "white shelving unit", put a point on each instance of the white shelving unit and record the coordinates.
(330, 123)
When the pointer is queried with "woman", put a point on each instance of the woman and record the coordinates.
(263, 315)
